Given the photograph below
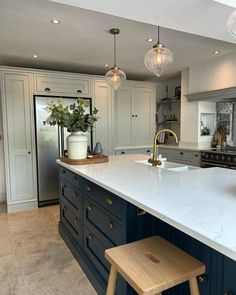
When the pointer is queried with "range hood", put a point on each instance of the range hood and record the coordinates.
(225, 94)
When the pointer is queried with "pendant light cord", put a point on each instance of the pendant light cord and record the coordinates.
(158, 34)
(114, 50)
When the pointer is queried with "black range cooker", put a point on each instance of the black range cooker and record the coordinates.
(218, 158)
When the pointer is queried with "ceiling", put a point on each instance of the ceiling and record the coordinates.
(81, 42)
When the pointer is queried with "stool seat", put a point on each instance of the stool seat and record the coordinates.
(153, 265)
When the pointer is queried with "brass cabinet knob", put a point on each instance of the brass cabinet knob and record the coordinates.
(89, 237)
(202, 278)
(75, 221)
(64, 208)
(110, 225)
(89, 208)
(109, 201)
(74, 195)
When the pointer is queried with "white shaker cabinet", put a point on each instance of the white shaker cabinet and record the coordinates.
(134, 116)
(102, 100)
(19, 148)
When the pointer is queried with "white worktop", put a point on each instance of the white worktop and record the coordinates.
(199, 202)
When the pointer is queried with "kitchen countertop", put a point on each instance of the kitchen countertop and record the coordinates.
(199, 202)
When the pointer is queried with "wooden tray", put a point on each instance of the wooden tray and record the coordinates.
(94, 160)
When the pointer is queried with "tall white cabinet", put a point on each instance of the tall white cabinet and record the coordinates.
(127, 119)
(19, 144)
(134, 116)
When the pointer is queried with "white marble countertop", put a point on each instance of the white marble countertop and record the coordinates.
(199, 202)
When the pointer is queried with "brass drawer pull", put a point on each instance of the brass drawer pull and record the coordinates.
(89, 208)
(141, 212)
(89, 237)
(79, 91)
(88, 188)
(110, 225)
(47, 89)
(202, 279)
(75, 178)
(109, 201)
(74, 195)
(75, 221)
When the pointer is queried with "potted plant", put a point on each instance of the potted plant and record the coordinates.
(77, 122)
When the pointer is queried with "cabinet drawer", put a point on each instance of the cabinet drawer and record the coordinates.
(94, 217)
(71, 177)
(146, 151)
(71, 221)
(49, 84)
(94, 248)
(71, 195)
(185, 155)
(104, 198)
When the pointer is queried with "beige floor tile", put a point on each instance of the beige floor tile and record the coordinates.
(32, 242)
(11, 288)
(8, 271)
(65, 280)
(28, 263)
(6, 244)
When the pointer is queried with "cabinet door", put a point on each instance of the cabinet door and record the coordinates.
(123, 116)
(18, 120)
(229, 277)
(102, 98)
(142, 118)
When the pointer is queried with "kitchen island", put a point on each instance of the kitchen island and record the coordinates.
(125, 200)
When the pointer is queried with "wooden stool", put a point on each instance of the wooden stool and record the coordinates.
(153, 265)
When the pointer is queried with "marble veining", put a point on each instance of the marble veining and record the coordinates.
(200, 202)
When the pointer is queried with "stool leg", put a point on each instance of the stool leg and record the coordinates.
(112, 281)
(194, 290)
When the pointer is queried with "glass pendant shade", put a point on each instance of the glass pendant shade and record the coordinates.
(115, 77)
(159, 58)
(231, 25)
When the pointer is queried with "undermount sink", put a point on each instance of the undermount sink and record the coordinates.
(169, 166)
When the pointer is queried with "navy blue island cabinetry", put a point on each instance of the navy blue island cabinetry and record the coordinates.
(93, 219)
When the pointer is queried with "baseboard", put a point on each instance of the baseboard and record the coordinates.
(2, 198)
(22, 206)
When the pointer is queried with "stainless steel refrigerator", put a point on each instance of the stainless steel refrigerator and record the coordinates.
(50, 145)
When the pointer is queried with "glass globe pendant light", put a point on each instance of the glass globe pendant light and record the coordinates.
(115, 76)
(159, 58)
(231, 25)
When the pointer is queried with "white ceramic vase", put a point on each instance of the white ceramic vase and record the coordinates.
(77, 145)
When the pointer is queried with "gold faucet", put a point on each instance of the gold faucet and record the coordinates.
(154, 160)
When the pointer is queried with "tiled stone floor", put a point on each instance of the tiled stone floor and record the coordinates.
(34, 260)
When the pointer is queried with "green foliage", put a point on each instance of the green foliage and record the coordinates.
(72, 117)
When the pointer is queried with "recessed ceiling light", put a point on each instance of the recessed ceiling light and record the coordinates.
(106, 65)
(55, 21)
(216, 52)
(35, 56)
(149, 40)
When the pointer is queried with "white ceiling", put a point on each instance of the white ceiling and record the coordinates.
(81, 43)
(201, 17)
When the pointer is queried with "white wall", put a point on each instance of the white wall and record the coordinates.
(2, 173)
(216, 74)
